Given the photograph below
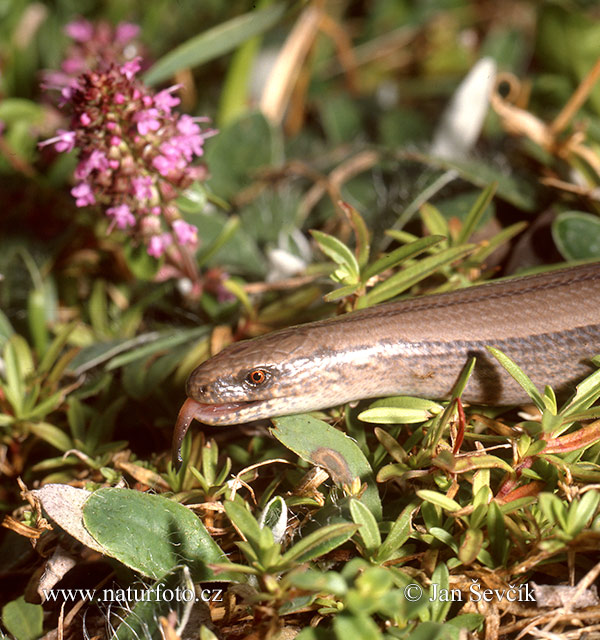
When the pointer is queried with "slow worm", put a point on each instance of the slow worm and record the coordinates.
(549, 324)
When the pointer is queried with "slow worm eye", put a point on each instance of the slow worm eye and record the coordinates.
(256, 377)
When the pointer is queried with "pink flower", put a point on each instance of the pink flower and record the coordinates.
(158, 244)
(83, 195)
(186, 233)
(79, 30)
(126, 31)
(122, 216)
(129, 69)
(96, 160)
(147, 120)
(163, 100)
(164, 165)
(142, 187)
(64, 141)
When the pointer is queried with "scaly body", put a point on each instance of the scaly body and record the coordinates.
(549, 324)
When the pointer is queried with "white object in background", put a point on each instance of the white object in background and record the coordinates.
(463, 118)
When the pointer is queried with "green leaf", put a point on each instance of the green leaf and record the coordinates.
(443, 536)
(245, 522)
(324, 582)
(520, 376)
(398, 535)
(361, 232)
(476, 213)
(322, 445)
(401, 254)
(229, 230)
(582, 511)
(400, 410)
(150, 533)
(348, 270)
(22, 619)
(434, 221)
(577, 235)
(214, 42)
(403, 280)
(357, 627)
(164, 343)
(236, 154)
(142, 264)
(439, 499)
(439, 608)
(471, 546)
(318, 543)
(368, 531)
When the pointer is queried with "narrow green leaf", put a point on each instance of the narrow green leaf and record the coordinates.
(439, 499)
(368, 531)
(361, 232)
(582, 511)
(226, 234)
(403, 280)
(214, 42)
(348, 270)
(439, 607)
(234, 95)
(433, 220)
(53, 351)
(443, 536)
(499, 542)
(398, 535)
(476, 213)
(319, 543)
(52, 435)
(37, 320)
(471, 546)
(401, 254)
(520, 376)
(244, 521)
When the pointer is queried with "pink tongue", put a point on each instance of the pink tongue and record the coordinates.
(191, 409)
(186, 415)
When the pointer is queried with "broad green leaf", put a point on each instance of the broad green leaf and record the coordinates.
(324, 446)
(577, 235)
(150, 533)
(22, 619)
(214, 42)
